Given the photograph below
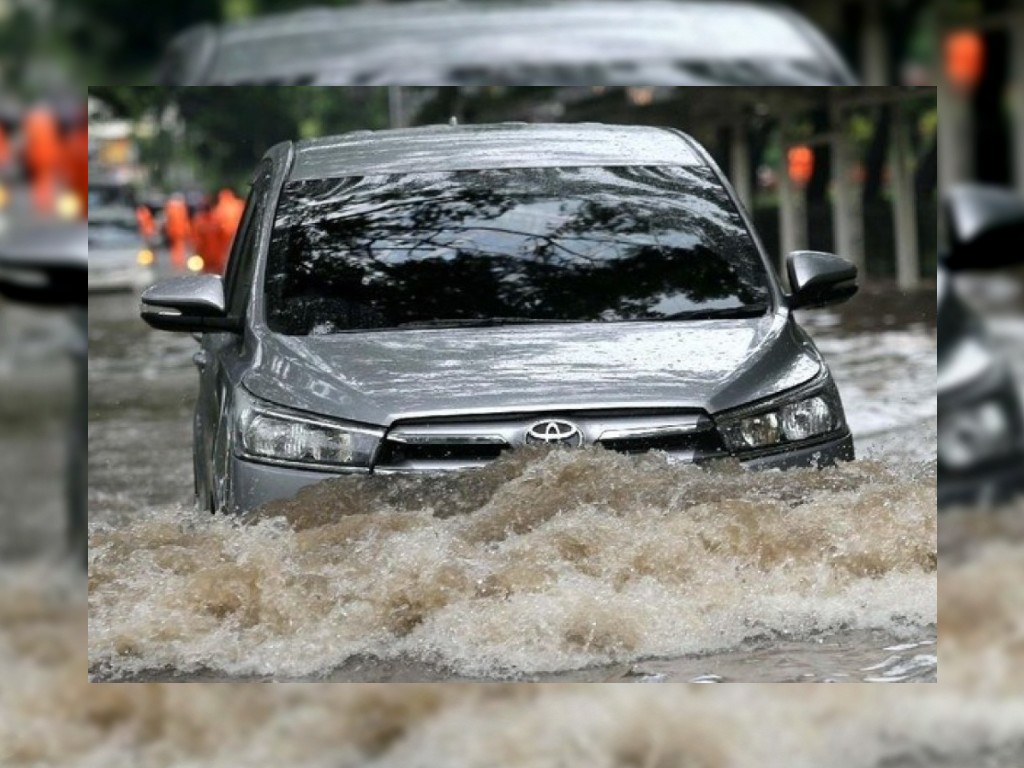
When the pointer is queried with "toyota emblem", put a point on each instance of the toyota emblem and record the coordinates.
(554, 432)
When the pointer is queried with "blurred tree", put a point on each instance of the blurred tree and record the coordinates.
(18, 38)
(227, 130)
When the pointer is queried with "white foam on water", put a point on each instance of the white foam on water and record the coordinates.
(543, 561)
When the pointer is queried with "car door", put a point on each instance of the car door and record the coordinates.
(221, 356)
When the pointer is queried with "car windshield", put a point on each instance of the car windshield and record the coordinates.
(510, 245)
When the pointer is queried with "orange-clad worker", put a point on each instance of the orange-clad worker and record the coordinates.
(42, 156)
(5, 148)
(179, 230)
(227, 213)
(147, 224)
(205, 230)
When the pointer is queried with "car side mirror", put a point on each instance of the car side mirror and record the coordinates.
(45, 265)
(986, 227)
(819, 279)
(192, 304)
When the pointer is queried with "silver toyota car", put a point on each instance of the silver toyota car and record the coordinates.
(427, 299)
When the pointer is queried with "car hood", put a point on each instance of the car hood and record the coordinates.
(380, 377)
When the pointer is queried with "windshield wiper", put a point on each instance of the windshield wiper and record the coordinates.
(719, 313)
(480, 322)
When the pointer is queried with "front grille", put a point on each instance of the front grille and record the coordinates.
(452, 443)
(702, 444)
(399, 453)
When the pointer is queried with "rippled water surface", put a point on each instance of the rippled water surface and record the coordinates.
(584, 565)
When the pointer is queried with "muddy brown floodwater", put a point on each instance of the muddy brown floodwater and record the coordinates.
(53, 717)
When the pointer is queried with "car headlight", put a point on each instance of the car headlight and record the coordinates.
(974, 435)
(806, 414)
(267, 432)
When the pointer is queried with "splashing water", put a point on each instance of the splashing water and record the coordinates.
(543, 561)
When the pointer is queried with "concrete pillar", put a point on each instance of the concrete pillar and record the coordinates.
(956, 137)
(396, 113)
(739, 163)
(901, 174)
(847, 211)
(792, 203)
(874, 45)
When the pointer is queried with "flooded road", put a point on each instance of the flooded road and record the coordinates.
(52, 717)
(544, 566)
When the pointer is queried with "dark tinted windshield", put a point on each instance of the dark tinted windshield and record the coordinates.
(569, 244)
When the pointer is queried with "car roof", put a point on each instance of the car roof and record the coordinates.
(499, 145)
(367, 39)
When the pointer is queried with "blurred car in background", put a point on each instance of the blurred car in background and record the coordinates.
(981, 427)
(119, 257)
(543, 42)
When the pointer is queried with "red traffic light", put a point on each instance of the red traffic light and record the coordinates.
(964, 52)
(801, 164)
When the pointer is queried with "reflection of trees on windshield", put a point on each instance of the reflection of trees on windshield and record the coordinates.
(550, 243)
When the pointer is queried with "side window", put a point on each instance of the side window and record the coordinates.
(238, 276)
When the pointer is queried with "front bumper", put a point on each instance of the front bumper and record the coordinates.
(823, 454)
(1002, 478)
(991, 486)
(254, 484)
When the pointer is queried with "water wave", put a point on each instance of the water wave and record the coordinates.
(543, 561)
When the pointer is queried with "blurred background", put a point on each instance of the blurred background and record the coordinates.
(846, 169)
(106, 41)
(981, 537)
(973, 718)
(981, 97)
